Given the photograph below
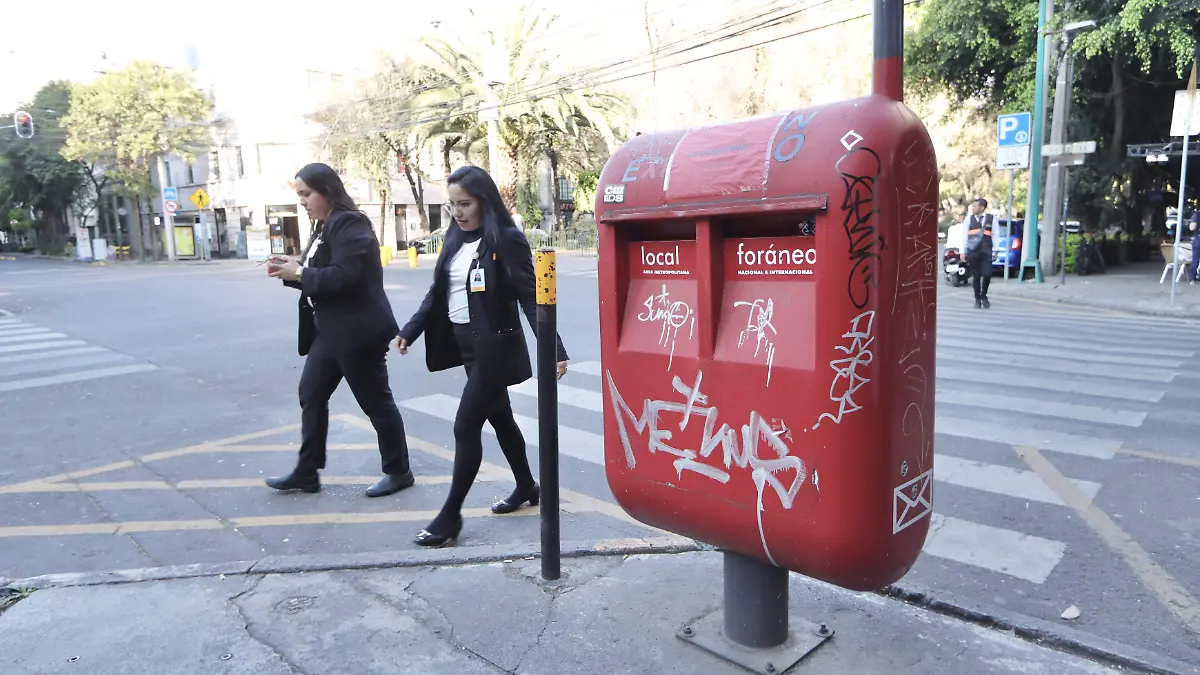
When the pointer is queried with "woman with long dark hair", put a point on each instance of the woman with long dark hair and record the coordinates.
(471, 317)
(346, 324)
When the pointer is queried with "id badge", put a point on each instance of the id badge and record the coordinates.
(312, 252)
(477, 284)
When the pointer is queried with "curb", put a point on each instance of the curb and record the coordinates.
(1179, 312)
(300, 564)
(1057, 637)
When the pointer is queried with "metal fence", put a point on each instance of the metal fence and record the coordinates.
(577, 240)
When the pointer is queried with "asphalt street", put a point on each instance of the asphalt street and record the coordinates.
(141, 406)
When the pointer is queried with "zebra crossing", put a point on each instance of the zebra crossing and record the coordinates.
(1063, 381)
(32, 357)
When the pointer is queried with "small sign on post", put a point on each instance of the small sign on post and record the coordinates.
(1013, 141)
(200, 199)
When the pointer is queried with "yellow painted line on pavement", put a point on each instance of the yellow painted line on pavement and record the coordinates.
(1161, 457)
(1170, 593)
(288, 520)
(283, 447)
(210, 484)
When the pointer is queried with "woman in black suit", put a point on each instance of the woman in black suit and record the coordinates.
(471, 317)
(345, 327)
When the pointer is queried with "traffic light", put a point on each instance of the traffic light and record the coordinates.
(24, 124)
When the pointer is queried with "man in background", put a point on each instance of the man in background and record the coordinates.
(979, 250)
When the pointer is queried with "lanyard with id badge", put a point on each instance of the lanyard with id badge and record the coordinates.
(476, 283)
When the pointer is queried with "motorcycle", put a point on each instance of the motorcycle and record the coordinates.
(955, 268)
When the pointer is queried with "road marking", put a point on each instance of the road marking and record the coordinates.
(65, 364)
(572, 442)
(1053, 364)
(1086, 360)
(1059, 343)
(1170, 593)
(586, 367)
(1070, 411)
(1084, 446)
(1019, 555)
(31, 337)
(8, 349)
(1076, 316)
(205, 484)
(1001, 480)
(1161, 457)
(52, 355)
(567, 395)
(1080, 385)
(78, 376)
(21, 329)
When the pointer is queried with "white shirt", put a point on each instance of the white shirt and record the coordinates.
(460, 266)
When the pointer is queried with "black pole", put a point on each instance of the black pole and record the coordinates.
(888, 73)
(756, 602)
(547, 376)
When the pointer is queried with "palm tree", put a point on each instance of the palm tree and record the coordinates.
(539, 115)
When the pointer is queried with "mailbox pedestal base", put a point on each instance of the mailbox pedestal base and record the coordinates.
(752, 631)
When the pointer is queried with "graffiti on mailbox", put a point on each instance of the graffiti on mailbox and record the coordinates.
(693, 403)
(859, 169)
(849, 378)
(671, 316)
(758, 324)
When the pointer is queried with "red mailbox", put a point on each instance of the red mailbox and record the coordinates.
(767, 318)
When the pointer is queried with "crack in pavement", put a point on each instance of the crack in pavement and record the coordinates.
(450, 637)
(248, 626)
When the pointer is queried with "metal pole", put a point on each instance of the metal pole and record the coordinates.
(547, 378)
(1045, 11)
(888, 76)
(168, 220)
(1189, 103)
(1012, 177)
(1066, 174)
(1058, 135)
(756, 602)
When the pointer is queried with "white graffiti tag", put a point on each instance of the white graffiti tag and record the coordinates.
(759, 324)
(764, 471)
(849, 379)
(671, 316)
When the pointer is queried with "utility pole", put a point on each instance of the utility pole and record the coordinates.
(495, 68)
(1058, 133)
(168, 219)
(1045, 47)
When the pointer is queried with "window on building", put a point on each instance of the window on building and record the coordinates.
(241, 166)
(167, 171)
(214, 164)
(191, 174)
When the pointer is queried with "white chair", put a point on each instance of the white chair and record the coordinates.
(1184, 258)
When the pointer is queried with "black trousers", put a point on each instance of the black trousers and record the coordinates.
(481, 402)
(981, 272)
(367, 374)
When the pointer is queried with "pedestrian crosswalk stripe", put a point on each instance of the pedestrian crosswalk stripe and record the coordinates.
(1055, 363)
(77, 376)
(1065, 354)
(586, 367)
(572, 442)
(1107, 327)
(1063, 384)
(1072, 444)
(1000, 341)
(1019, 555)
(1063, 314)
(1069, 411)
(5, 339)
(8, 349)
(568, 395)
(1001, 480)
(52, 355)
(62, 363)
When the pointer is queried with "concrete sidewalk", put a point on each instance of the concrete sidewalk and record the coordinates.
(1130, 288)
(608, 614)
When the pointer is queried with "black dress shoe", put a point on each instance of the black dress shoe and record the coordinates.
(518, 499)
(435, 540)
(978, 303)
(986, 304)
(390, 485)
(304, 482)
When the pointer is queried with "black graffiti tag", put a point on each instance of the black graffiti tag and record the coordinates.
(859, 169)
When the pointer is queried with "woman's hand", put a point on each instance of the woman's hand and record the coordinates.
(402, 345)
(562, 369)
(287, 271)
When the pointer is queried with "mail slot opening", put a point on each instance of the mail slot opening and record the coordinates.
(769, 225)
(660, 230)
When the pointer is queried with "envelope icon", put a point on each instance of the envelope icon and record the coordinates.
(912, 501)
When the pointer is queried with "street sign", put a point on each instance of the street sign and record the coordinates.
(1014, 129)
(171, 206)
(170, 194)
(200, 199)
(1012, 141)
(1068, 160)
(1080, 148)
(1179, 113)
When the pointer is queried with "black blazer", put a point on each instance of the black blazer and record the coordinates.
(343, 280)
(501, 351)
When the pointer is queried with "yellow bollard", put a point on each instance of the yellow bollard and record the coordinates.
(412, 256)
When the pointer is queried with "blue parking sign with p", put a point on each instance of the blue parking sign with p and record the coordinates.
(1014, 129)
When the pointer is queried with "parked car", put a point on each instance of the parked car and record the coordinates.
(1006, 244)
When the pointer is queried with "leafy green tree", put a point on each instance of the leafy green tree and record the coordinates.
(1126, 73)
(126, 119)
(34, 175)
